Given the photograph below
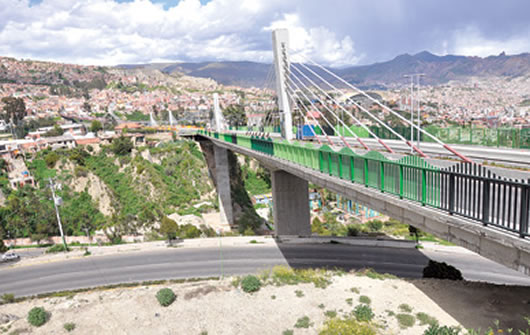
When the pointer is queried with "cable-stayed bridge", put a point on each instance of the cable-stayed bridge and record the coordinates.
(475, 206)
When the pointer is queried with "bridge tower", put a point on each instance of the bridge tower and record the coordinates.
(217, 113)
(280, 48)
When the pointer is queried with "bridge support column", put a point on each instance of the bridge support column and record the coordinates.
(290, 198)
(222, 169)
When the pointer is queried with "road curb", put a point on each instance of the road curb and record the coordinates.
(371, 242)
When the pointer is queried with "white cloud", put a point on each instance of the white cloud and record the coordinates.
(471, 42)
(106, 32)
(317, 43)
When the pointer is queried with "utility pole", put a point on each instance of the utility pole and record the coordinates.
(419, 105)
(411, 109)
(55, 203)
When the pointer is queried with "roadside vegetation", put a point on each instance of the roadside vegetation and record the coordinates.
(140, 192)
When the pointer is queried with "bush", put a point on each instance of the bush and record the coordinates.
(121, 146)
(365, 300)
(250, 284)
(352, 230)
(190, 231)
(169, 228)
(350, 326)
(363, 313)
(69, 326)
(303, 322)
(165, 297)
(56, 248)
(375, 225)
(37, 316)
(405, 320)
(405, 308)
(441, 271)
(3, 247)
(426, 319)
(437, 330)
(51, 158)
(80, 171)
(8, 297)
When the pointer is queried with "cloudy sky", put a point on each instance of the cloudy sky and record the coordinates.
(333, 32)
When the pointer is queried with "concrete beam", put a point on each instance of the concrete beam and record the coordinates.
(290, 196)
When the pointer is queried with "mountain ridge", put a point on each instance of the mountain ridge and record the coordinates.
(437, 69)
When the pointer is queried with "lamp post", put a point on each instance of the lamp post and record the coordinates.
(419, 105)
(411, 76)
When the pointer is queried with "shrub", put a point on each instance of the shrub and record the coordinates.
(288, 332)
(165, 297)
(363, 313)
(189, 231)
(426, 319)
(330, 314)
(437, 330)
(8, 297)
(3, 247)
(299, 293)
(405, 308)
(352, 230)
(303, 322)
(249, 232)
(37, 316)
(56, 248)
(441, 271)
(365, 300)
(69, 326)
(375, 225)
(350, 326)
(80, 171)
(121, 146)
(250, 284)
(405, 320)
(169, 228)
(51, 158)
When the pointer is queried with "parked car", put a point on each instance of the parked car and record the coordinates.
(10, 256)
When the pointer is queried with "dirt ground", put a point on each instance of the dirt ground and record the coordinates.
(216, 307)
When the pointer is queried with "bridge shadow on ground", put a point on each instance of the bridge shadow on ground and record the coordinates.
(472, 304)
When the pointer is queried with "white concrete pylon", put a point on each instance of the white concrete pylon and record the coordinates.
(217, 113)
(280, 47)
(152, 121)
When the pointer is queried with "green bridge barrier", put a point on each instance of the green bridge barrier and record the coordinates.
(467, 189)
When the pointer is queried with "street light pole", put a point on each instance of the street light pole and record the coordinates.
(52, 187)
(411, 109)
(419, 105)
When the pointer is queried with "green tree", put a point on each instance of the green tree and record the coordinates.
(121, 146)
(235, 115)
(14, 110)
(169, 228)
(96, 126)
(56, 131)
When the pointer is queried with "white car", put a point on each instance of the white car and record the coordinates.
(10, 256)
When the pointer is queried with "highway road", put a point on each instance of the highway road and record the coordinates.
(205, 262)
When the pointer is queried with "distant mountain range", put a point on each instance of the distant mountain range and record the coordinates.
(437, 69)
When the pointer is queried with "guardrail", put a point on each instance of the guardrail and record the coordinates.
(469, 190)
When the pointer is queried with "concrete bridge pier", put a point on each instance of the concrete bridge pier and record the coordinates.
(290, 196)
(222, 169)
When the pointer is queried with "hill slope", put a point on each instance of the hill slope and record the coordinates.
(438, 69)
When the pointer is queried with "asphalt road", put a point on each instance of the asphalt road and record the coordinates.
(206, 262)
